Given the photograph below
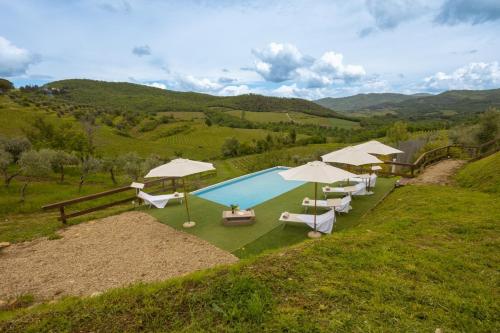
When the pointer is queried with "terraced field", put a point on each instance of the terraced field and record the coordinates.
(301, 118)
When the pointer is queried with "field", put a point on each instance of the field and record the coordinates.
(188, 135)
(297, 117)
(413, 264)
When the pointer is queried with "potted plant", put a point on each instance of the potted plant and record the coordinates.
(233, 208)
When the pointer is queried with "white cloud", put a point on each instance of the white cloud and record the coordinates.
(235, 90)
(475, 75)
(331, 65)
(156, 85)
(14, 60)
(193, 83)
(293, 90)
(284, 62)
(278, 62)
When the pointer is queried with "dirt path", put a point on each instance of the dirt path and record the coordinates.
(107, 253)
(440, 173)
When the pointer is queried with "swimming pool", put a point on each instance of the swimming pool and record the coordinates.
(249, 190)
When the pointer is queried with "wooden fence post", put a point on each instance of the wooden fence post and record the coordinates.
(63, 215)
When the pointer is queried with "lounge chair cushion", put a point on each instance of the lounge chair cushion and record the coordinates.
(159, 201)
(324, 222)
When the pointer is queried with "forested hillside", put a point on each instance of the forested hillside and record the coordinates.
(453, 105)
(140, 98)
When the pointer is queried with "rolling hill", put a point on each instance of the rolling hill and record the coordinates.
(363, 101)
(140, 98)
(450, 104)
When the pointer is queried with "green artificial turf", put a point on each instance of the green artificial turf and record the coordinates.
(253, 239)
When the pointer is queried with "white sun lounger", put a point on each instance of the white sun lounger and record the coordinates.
(357, 189)
(159, 201)
(369, 180)
(324, 222)
(341, 205)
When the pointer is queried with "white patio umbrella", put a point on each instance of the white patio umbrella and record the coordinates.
(378, 148)
(316, 172)
(350, 155)
(181, 168)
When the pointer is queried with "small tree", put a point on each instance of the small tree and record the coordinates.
(489, 126)
(16, 146)
(231, 147)
(58, 160)
(32, 164)
(6, 160)
(112, 165)
(87, 166)
(151, 162)
(132, 165)
(293, 135)
(5, 85)
(398, 132)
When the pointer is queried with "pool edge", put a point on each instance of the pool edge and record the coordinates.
(232, 180)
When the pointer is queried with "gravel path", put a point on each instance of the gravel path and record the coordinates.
(440, 173)
(107, 253)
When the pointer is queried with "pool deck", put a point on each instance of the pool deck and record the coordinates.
(267, 232)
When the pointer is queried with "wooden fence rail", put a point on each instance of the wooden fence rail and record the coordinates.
(62, 204)
(432, 156)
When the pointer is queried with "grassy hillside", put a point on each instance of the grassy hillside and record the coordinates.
(363, 101)
(481, 175)
(414, 264)
(139, 98)
(296, 117)
(454, 104)
(187, 135)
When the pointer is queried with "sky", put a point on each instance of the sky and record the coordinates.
(295, 48)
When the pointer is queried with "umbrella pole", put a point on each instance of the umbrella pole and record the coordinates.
(315, 203)
(315, 233)
(189, 223)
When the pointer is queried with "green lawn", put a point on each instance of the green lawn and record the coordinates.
(267, 232)
(481, 175)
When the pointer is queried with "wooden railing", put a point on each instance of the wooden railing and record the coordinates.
(432, 156)
(402, 169)
(64, 216)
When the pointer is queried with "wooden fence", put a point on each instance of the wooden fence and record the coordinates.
(470, 153)
(401, 169)
(64, 216)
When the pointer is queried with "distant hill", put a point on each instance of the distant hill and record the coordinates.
(453, 103)
(135, 97)
(364, 101)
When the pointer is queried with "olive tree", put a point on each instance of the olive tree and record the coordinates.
(131, 164)
(32, 164)
(15, 146)
(151, 162)
(6, 160)
(87, 166)
(489, 126)
(58, 160)
(111, 164)
(398, 132)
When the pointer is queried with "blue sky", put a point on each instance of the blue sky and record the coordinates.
(307, 49)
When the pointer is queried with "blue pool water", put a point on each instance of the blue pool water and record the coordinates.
(249, 190)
